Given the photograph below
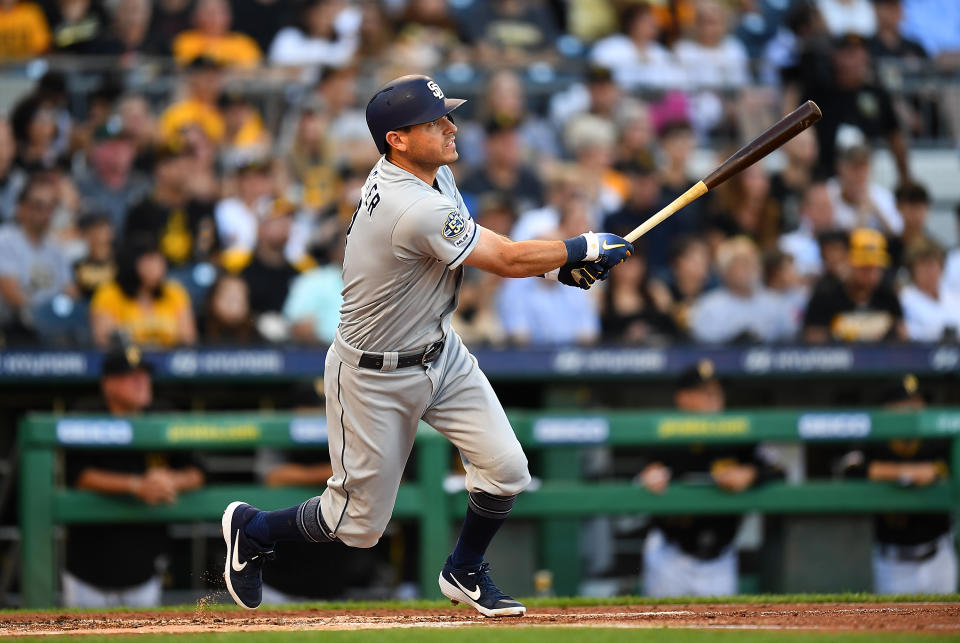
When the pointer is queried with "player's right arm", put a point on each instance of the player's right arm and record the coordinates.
(506, 258)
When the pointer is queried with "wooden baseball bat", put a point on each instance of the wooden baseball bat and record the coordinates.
(779, 133)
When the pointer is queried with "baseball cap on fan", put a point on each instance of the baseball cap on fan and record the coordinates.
(405, 101)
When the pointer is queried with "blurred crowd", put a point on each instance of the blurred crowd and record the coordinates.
(198, 217)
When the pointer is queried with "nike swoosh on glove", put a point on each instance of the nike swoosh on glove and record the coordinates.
(612, 250)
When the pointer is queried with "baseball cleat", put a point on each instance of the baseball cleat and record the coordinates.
(475, 587)
(245, 557)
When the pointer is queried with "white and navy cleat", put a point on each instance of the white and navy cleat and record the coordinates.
(475, 588)
(243, 568)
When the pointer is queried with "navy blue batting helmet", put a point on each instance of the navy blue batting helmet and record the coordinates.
(405, 101)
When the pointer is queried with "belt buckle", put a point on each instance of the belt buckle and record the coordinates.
(430, 353)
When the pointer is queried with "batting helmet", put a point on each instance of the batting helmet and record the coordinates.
(405, 101)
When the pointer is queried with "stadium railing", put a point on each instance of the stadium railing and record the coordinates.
(558, 502)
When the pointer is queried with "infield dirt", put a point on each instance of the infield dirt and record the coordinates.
(893, 617)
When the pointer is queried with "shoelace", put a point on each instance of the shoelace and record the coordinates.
(486, 583)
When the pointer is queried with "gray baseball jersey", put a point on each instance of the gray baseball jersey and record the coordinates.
(402, 273)
(401, 270)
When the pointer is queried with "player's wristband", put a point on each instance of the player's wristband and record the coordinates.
(553, 275)
(586, 247)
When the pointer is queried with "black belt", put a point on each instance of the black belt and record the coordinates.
(412, 358)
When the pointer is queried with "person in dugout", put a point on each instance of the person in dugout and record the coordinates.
(120, 565)
(696, 555)
(913, 553)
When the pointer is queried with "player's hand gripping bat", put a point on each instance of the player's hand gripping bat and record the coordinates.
(778, 134)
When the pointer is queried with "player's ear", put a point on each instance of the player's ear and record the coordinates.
(396, 140)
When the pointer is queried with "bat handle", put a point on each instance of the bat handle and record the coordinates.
(694, 193)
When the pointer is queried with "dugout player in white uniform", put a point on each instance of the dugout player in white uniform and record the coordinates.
(396, 360)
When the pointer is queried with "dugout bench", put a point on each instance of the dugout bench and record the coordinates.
(560, 501)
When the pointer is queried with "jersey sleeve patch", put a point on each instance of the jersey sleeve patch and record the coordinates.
(454, 226)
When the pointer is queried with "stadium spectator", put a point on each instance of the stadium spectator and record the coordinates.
(98, 265)
(816, 218)
(834, 251)
(741, 309)
(76, 26)
(643, 198)
(563, 182)
(24, 32)
(268, 273)
(236, 215)
(696, 555)
(859, 202)
(12, 177)
(504, 100)
(504, 173)
(310, 162)
(635, 57)
(262, 19)
(636, 135)
(855, 110)
(168, 19)
(244, 132)
(141, 302)
(228, 318)
(511, 33)
(788, 185)
(35, 128)
(347, 130)
(376, 38)
(636, 309)
(780, 278)
(689, 275)
(848, 16)
(744, 206)
(326, 34)
(118, 565)
(676, 143)
(930, 311)
(184, 227)
(128, 32)
(542, 311)
(592, 140)
(913, 202)
(913, 553)
(712, 58)
(138, 121)
(889, 41)
(597, 95)
(112, 185)
(312, 307)
(33, 268)
(427, 36)
(860, 306)
(211, 37)
(758, 23)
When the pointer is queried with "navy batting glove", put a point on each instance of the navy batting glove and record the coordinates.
(603, 248)
(582, 274)
(594, 272)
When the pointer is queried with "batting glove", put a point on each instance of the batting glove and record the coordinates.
(602, 248)
(582, 274)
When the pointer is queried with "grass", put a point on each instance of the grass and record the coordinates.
(529, 635)
(573, 601)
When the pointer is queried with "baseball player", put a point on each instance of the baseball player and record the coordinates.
(395, 359)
